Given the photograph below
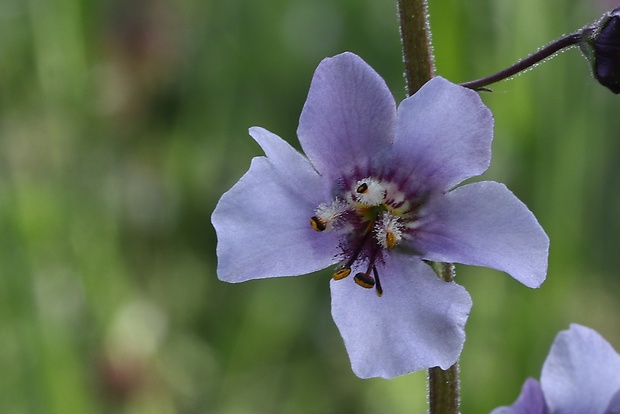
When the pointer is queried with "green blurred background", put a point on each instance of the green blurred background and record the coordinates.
(121, 124)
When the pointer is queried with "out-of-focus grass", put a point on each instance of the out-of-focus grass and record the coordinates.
(122, 123)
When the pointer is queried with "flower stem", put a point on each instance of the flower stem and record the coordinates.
(443, 390)
(415, 36)
(443, 386)
(533, 59)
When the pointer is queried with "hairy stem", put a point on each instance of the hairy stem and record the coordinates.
(416, 40)
(443, 386)
(443, 390)
(544, 53)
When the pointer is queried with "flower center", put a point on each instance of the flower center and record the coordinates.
(373, 217)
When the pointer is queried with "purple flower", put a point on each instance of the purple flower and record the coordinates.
(581, 375)
(374, 196)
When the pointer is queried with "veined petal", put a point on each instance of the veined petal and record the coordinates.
(443, 134)
(262, 223)
(348, 118)
(484, 224)
(530, 401)
(581, 373)
(418, 323)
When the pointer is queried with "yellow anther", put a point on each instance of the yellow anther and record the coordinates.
(370, 192)
(342, 273)
(390, 240)
(362, 188)
(318, 223)
(364, 280)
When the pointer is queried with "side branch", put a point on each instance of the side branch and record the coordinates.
(547, 51)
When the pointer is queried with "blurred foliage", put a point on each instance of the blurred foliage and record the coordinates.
(121, 124)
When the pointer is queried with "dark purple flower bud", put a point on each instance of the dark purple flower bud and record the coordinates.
(601, 46)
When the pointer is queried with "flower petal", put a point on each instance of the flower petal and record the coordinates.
(262, 223)
(484, 224)
(348, 118)
(530, 401)
(301, 178)
(418, 323)
(443, 134)
(581, 373)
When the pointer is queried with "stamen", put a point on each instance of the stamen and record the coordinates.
(342, 273)
(370, 192)
(389, 231)
(327, 214)
(364, 280)
(318, 223)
